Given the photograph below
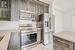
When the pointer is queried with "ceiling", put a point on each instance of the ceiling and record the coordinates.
(64, 5)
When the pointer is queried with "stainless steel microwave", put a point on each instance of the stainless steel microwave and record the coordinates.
(29, 38)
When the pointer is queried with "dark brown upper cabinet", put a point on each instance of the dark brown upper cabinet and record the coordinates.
(5, 10)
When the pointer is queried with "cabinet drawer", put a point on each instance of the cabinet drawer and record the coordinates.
(63, 42)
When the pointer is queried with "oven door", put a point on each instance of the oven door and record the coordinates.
(28, 39)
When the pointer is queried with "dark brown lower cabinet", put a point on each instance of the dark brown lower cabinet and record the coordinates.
(74, 46)
(14, 43)
(61, 44)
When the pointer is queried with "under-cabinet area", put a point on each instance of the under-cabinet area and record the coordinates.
(64, 41)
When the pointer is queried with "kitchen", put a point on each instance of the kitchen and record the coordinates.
(37, 25)
(23, 23)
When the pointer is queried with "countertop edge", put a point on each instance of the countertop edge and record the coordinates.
(66, 37)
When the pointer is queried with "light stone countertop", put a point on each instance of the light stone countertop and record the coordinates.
(67, 35)
(5, 41)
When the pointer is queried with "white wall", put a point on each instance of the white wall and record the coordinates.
(9, 25)
(68, 21)
(63, 21)
(58, 20)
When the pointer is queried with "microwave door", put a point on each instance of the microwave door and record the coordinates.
(28, 39)
(25, 39)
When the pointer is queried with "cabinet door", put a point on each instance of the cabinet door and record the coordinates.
(60, 44)
(5, 9)
(45, 1)
(14, 43)
(56, 46)
(74, 46)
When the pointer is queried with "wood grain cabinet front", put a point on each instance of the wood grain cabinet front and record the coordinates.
(14, 42)
(74, 46)
(45, 1)
(5, 10)
(61, 44)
